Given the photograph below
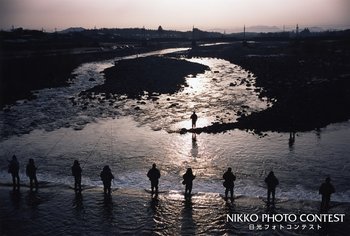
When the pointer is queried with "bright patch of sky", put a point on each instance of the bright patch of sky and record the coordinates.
(172, 14)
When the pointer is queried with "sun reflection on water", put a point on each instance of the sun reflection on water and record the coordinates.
(195, 84)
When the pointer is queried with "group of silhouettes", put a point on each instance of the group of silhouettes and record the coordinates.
(13, 168)
(106, 177)
(326, 188)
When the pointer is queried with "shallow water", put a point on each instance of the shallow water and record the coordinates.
(59, 127)
(134, 212)
(130, 150)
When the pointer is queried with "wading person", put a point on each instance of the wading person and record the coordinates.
(188, 178)
(272, 183)
(106, 177)
(76, 172)
(154, 175)
(31, 173)
(13, 168)
(194, 118)
(326, 189)
(229, 184)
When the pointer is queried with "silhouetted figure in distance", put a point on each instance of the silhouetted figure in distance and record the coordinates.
(229, 184)
(188, 179)
(291, 138)
(326, 189)
(106, 177)
(194, 118)
(291, 131)
(76, 172)
(271, 182)
(154, 175)
(13, 168)
(31, 173)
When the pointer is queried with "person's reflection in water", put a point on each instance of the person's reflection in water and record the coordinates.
(154, 213)
(188, 226)
(108, 207)
(154, 204)
(194, 149)
(32, 199)
(15, 198)
(78, 201)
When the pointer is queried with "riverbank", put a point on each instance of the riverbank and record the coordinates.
(308, 82)
(57, 210)
(49, 69)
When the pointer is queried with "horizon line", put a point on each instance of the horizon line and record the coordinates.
(288, 27)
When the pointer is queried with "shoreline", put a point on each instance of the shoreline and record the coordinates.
(307, 82)
(47, 69)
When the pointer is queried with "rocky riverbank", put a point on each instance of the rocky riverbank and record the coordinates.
(20, 75)
(308, 81)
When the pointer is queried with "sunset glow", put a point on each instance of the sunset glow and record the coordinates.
(181, 14)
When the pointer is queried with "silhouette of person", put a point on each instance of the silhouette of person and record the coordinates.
(271, 182)
(31, 173)
(229, 184)
(13, 168)
(326, 189)
(291, 138)
(188, 179)
(76, 172)
(106, 177)
(194, 118)
(154, 175)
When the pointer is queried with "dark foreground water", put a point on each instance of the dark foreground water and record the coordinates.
(59, 127)
(56, 210)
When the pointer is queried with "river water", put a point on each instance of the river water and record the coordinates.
(59, 127)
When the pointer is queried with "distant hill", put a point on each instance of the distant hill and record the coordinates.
(72, 29)
(316, 29)
(263, 29)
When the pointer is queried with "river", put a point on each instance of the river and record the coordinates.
(58, 127)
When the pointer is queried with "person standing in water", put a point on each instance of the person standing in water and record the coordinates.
(13, 168)
(271, 182)
(31, 173)
(106, 177)
(154, 175)
(194, 118)
(76, 172)
(326, 189)
(188, 178)
(229, 184)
